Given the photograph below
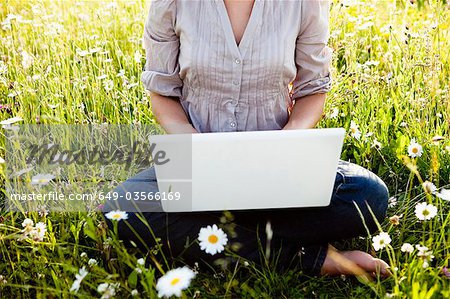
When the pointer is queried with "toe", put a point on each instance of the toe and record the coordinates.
(369, 263)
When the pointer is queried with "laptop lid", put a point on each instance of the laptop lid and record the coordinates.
(248, 170)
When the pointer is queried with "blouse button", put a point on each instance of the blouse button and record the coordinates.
(233, 124)
(235, 82)
(237, 61)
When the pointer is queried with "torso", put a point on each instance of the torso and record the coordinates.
(237, 58)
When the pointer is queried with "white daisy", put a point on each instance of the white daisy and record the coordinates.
(174, 282)
(27, 223)
(429, 187)
(75, 286)
(425, 211)
(425, 254)
(421, 249)
(51, 106)
(36, 77)
(78, 278)
(392, 202)
(2, 161)
(81, 273)
(354, 130)
(376, 144)
(14, 93)
(141, 262)
(137, 56)
(414, 149)
(3, 68)
(11, 120)
(129, 86)
(92, 262)
(134, 293)
(38, 233)
(42, 179)
(334, 113)
(380, 241)
(95, 50)
(121, 73)
(109, 292)
(108, 85)
(407, 248)
(27, 60)
(444, 194)
(11, 128)
(22, 171)
(82, 53)
(41, 228)
(117, 215)
(212, 239)
(101, 288)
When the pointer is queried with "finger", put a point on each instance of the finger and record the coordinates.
(381, 267)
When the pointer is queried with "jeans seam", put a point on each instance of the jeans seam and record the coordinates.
(342, 183)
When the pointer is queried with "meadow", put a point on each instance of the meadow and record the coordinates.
(79, 62)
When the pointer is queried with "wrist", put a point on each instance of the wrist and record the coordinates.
(180, 128)
(291, 125)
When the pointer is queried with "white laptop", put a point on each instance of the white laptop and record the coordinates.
(246, 170)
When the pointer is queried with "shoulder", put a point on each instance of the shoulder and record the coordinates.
(163, 7)
(163, 3)
(161, 18)
(315, 12)
(314, 6)
(164, 10)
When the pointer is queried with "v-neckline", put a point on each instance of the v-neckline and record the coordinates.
(249, 29)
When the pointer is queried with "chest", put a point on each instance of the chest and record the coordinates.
(242, 40)
(239, 13)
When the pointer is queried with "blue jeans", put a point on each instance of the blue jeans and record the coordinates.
(300, 235)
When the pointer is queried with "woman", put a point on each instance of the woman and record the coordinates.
(223, 65)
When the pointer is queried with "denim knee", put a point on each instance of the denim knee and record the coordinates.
(375, 195)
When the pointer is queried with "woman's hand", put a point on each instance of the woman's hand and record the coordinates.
(307, 112)
(170, 115)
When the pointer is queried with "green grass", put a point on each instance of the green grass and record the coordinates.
(391, 74)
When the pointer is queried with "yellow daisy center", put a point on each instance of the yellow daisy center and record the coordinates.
(353, 130)
(175, 281)
(213, 239)
(116, 216)
(415, 150)
(426, 212)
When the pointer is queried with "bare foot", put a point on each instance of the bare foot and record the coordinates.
(353, 262)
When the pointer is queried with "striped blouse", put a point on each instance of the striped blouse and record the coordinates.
(192, 56)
